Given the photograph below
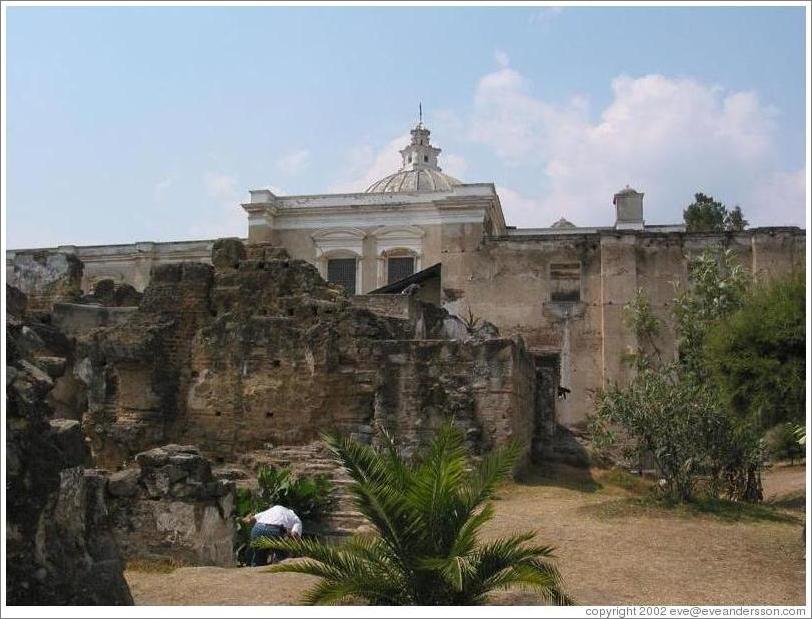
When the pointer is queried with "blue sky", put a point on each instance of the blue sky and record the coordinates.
(131, 124)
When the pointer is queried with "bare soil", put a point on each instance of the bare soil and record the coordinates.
(614, 547)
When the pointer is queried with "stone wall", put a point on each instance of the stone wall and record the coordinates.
(395, 305)
(509, 281)
(487, 387)
(46, 278)
(170, 507)
(74, 319)
(124, 264)
(262, 352)
(59, 544)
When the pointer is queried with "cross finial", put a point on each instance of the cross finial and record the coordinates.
(420, 112)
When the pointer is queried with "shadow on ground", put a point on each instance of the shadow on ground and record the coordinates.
(560, 476)
(719, 509)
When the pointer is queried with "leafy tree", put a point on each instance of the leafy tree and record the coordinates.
(676, 421)
(717, 287)
(639, 317)
(674, 412)
(735, 221)
(427, 513)
(757, 354)
(781, 443)
(708, 215)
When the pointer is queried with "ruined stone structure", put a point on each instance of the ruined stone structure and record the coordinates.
(59, 540)
(170, 507)
(561, 288)
(145, 381)
(247, 361)
(261, 351)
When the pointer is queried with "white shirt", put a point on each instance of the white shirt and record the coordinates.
(281, 516)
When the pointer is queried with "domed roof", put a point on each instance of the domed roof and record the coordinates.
(563, 223)
(420, 171)
(418, 179)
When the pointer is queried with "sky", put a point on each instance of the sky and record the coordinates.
(134, 124)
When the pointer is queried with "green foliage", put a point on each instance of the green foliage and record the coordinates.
(673, 412)
(717, 287)
(672, 419)
(310, 497)
(757, 354)
(707, 215)
(800, 434)
(640, 318)
(781, 443)
(427, 513)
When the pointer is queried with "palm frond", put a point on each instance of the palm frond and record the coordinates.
(428, 512)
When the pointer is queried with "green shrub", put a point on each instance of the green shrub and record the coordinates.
(781, 443)
(427, 514)
(757, 354)
(310, 497)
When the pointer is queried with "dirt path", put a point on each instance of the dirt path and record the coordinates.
(611, 550)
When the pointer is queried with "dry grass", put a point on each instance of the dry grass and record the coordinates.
(614, 547)
(154, 566)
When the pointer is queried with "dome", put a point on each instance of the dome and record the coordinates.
(563, 223)
(420, 179)
(419, 171)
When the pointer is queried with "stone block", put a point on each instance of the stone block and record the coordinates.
(70, 440)
(227, 253)
(124, 483)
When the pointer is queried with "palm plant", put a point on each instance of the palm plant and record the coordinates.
(427, 513)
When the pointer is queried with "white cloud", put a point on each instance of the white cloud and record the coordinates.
(502, 59)
(161, 188)
(223, 216)
(668, 137)
(294, 162)
(365, 165)
(220, 186)
(521, 211)
(545, 14)
(453, 165)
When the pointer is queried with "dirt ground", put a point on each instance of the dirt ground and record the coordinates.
(613, 548)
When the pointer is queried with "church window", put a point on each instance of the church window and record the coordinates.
(565, 282)
(342, 271)
(425, 157)
(399, 268)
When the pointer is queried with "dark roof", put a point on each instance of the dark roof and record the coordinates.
(414, 278)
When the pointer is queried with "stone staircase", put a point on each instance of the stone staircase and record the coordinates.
(310, 460)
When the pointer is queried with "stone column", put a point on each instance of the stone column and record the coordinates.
(618, 284)
(261, 211)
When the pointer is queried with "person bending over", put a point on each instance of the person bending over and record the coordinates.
(278, 521)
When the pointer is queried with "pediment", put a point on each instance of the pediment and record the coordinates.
(338, 234)
(388, 233)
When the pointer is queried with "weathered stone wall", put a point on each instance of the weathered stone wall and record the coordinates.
(262, 352)
(59, 544)
(508, 281)
(46, 278)
(135, 371)
(124, 264)
(486, 387)
(170, 507)
(74, 319)
(395, 305)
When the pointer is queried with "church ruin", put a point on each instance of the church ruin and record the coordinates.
(561, 289)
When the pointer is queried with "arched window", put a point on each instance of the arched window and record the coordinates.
(399, 267)
(339, 253)
(344, 272)
(400, 251)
